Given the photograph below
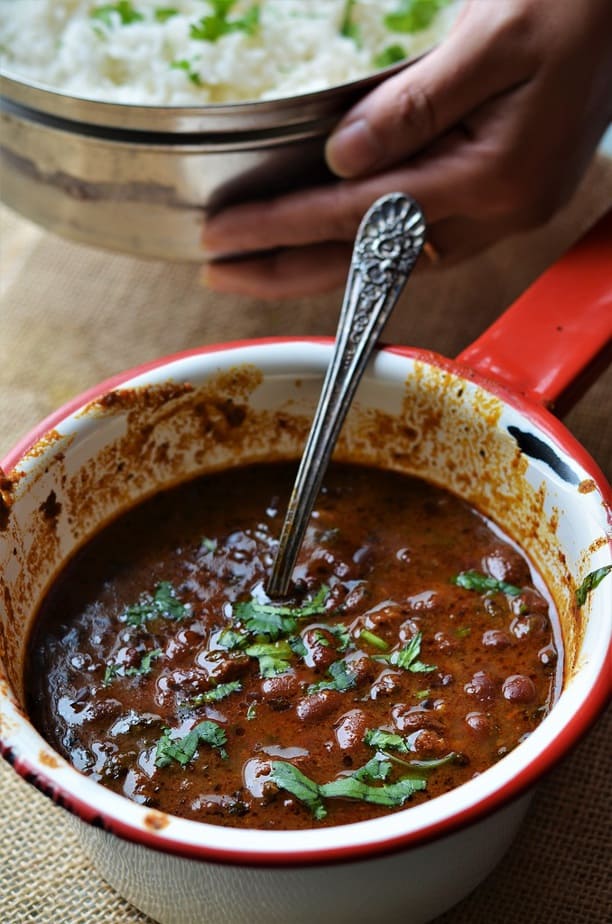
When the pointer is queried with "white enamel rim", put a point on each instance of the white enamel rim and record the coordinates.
(577, 708)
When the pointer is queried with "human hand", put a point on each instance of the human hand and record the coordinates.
(490, 132)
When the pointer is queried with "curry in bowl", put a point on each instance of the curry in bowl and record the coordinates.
(416, 649)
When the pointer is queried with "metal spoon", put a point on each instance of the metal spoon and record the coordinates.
(389, 240)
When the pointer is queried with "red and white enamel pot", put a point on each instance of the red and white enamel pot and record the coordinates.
(479, 426)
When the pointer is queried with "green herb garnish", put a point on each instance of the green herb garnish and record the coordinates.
(390, 55)
(273, 619)
(164, 603)
(211, 28)
(251, 712)
(414, 15)
(164, 13)
(124, 9)
(292, 780)
(482, 583)
(231, 639)
(341, 634)
(343, 679)
(182, 750)
(383, 740)
(209, 544)
(408, 657)
(590, 582)
(374, 640)
(216, 694)
(116, 670)
(348, 27)
(184, 65)
(273, 657)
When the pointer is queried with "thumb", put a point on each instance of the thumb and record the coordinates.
(483, 56)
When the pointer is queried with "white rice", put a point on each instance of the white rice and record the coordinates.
(297, 48)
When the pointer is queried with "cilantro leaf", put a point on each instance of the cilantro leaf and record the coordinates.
(482, 583)
(273, 657)
(414, 15)
(374, 640)
(164, 13)
(273, 619)
(590, 582)
(343, 679)
(341, 633)
(211, 28)
(231, 639)
(408, 657)
(348, 27)
(379, 738)
(164, 603)
(124, 9)
(182, 750)
(117, 670)
(216, 694)
(292, 780)
(389, 794)
(375, 769)
(190, 69)
(390, 55)
(145, 665)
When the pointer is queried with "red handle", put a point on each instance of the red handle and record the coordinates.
(559, 329)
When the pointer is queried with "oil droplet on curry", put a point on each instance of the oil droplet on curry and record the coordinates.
(415, 650)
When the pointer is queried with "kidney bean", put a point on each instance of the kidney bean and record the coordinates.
(385, 685)
(321, 648)
(284, 685)
(230, 668)
(479, 724)
(427, 743)
(505, 564)
(518, 688)
(496, 639)
(482, 687)
(350, 729)
(317, 705)
(413, 718)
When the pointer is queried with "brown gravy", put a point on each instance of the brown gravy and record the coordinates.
(415, 651)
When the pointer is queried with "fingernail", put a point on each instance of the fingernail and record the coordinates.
(353, 149)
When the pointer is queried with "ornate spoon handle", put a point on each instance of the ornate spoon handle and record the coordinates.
(389, 240)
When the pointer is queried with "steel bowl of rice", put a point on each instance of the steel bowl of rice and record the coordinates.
(124, 124)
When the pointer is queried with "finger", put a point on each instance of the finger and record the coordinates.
(486, 54)
(285, 274)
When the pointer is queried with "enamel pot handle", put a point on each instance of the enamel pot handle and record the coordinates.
(556, 338)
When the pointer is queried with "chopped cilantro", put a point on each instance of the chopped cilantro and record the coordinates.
(414, 15)
(348, 27)
(463, 632)
(117, 670)
(124, 9)
(209, 544)
(182, 750)
(273, 619)
(231, 639)
(343, 679)
(482, 583)
(145, 665)
(407, 657)
(211, 28)
(164, 603)
(251, 712)
(273, 657)
(292, 780)
(297, 646)
(184, 65)
(377, 768)
(390, 55)
(422, 694)
(590, 582)
(163, 13)
(379, 738)
(341, 633)
(374, 640)
(389, 794)
(216, 694)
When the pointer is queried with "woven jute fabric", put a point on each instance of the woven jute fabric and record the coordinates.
(71, 316)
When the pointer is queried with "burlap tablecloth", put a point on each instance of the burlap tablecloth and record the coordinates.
(71, 316)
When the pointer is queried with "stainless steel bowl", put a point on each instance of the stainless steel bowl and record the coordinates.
(141, 179)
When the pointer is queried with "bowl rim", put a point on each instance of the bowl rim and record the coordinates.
(529, 761)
